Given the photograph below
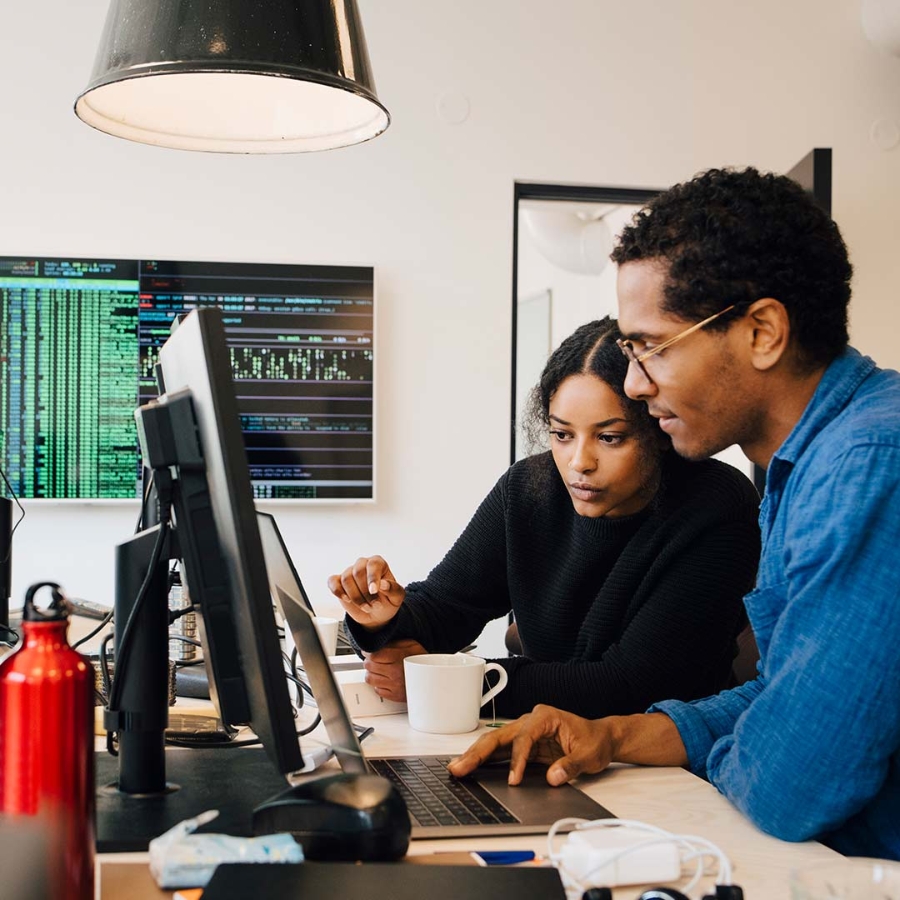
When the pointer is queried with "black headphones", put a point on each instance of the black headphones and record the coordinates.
(723, 892)
(662, 894)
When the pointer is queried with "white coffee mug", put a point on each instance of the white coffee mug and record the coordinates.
(444, 691)
(328, 633)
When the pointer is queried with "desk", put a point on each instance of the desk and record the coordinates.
(668, 797)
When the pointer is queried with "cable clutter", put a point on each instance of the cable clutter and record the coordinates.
(605, 853)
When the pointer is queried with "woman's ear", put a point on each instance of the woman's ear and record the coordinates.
(768, 330)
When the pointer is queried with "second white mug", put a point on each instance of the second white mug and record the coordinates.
(328, 633)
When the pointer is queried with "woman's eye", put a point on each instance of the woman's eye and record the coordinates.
(559, 435)
(611, 438)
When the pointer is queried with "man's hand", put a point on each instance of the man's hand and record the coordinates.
(569, 744)
(572, 746)
(368, 592)
(384, 668)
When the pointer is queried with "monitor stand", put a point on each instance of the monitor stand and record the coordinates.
(231, 780)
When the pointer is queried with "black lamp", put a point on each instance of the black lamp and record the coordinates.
(234, 76)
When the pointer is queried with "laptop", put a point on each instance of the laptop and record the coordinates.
(440, 806)
(281, 570)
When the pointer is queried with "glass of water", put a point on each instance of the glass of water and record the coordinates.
(848, 879)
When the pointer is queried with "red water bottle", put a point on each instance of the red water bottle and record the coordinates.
(46, 742)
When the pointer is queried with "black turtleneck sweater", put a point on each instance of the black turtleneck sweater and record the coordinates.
(613, 613)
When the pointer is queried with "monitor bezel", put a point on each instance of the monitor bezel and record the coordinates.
(195, 358)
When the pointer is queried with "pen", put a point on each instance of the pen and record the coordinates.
(501, 857)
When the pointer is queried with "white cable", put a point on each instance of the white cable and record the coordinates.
(694, 849)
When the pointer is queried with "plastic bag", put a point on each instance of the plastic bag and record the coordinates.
(179, 858)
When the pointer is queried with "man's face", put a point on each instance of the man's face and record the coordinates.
(696, 387)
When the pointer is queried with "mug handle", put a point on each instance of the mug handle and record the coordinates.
(494, 667)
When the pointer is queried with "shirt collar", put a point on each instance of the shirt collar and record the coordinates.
(840, 381)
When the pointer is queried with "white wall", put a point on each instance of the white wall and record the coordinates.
(642, 93)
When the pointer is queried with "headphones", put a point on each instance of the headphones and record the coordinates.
(660, 893)
(723, 892)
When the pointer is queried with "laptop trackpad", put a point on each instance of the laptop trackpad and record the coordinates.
(536, 801)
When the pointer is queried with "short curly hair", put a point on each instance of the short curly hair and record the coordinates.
(590, 350)
(735, 236)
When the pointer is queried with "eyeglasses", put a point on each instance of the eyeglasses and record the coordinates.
(627, 347)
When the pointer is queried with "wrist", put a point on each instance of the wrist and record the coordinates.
(617, 729)
(646, 738)
(373, 627)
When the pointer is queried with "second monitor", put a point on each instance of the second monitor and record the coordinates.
(148, 789)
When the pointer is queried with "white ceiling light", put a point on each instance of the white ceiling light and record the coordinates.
(881, 24)
(571, 236)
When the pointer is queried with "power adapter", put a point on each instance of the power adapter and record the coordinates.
(620, 855)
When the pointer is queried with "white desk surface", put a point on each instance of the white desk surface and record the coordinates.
(671, 798)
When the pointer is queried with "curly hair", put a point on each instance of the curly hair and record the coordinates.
(590, 350)
(735, 236)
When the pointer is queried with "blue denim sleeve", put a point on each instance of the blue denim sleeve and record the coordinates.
(703, 722)
(815, 746)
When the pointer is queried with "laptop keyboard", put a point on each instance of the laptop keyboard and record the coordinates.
(434, 797)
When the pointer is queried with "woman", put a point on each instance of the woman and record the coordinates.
(625, 565)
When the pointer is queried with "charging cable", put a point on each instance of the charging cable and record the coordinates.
(693, 852)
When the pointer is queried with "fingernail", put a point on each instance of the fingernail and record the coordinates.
(373, 588)
(385, 584)
(376, 605)
(365, 607)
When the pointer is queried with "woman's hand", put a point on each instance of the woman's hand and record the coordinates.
(368, 592)
(384, 668)
(568, 744)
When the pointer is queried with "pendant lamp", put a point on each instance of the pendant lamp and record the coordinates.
(234, 76)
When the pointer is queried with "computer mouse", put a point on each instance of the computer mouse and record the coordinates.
(340, 817)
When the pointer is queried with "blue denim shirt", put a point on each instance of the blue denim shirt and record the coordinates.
(811, 748)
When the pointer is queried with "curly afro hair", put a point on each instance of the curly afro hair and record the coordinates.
(734, 236)
(590, 350)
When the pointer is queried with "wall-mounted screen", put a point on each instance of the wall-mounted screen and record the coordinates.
(79, 339)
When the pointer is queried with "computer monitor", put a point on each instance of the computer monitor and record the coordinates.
(193, 430)
(79, 338)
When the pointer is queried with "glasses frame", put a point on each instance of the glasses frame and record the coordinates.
(627, 347)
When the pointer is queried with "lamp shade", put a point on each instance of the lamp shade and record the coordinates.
(234, 76)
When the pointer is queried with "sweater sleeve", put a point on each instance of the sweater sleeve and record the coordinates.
(675, 646)
(465, 591)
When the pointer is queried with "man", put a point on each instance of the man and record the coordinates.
(733, 292)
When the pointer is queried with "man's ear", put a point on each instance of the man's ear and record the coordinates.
(769, 332)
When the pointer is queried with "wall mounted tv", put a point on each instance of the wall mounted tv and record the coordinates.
(79, 339)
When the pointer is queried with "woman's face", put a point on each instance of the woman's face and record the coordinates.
(607, 469)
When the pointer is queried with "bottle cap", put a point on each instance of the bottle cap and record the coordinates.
(59, 608)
